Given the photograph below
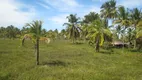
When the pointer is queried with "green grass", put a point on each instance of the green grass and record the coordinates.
(61, 60)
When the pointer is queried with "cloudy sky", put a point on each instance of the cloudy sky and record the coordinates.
(52, 12)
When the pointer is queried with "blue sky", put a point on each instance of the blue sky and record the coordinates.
(52, 12)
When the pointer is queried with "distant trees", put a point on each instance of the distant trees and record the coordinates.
(10, 32)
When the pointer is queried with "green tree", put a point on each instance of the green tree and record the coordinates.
(43, 32)
(122, 20)
(12, 32)
(96, 33)
(56, 33)
(136, 18)
(88, 19)
(63, 34)
(3, 32)
(72, 28)
(35, 32)
(109, 11)
(51, 34)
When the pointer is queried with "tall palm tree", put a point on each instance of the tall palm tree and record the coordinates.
(96, 33)
(88, 19)
(72, 28)
(123, 17)
(130, 34)
(108, 11)
(122, 20)
(136, 18)
(35, 33)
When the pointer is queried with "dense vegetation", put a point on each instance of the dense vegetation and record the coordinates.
(68, 55)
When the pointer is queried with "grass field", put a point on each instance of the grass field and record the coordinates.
(61, 60)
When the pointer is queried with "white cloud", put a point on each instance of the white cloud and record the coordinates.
(11, 14)
(130, 3)
(64, 5)
(59, 19)
(99, 0)
(94, 9)
(43, 5)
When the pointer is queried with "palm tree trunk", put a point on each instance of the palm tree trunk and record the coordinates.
(135, 39)
(97, 45)
(37, 51)
(73, 40)
(135, 44)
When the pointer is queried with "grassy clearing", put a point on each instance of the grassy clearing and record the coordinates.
(64, 61)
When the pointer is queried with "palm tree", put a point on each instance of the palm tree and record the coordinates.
(63, 34)
(108, 11)
(72, 28)
(51, 34)
(136, 18)
(3, 32)
(96, 33)
(43, 32)
(122, 20)
(35, 33)
(88, 19)
(130, 34)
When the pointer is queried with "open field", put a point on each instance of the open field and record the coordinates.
(61, 60)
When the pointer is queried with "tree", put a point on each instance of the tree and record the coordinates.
(130, 34)
(43, 32)
(136, 18)
(63, 34)
(96, 33)
(88, 19)
(3, 32)
(12, 31)
(122, 20)
(51, 34)
(72, 28)
(56, 33)
(108, 11)
(35, 33)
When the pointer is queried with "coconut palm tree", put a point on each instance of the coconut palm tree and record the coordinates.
(108, 11)
(72, 28)
(136, 18)
(122, 20)
(130, 34)
(35, 33)
(96, 33)
(51, 34)
(88, 19)
(123, 17)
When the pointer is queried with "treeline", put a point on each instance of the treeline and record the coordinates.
(13, 32)
(10, 32)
